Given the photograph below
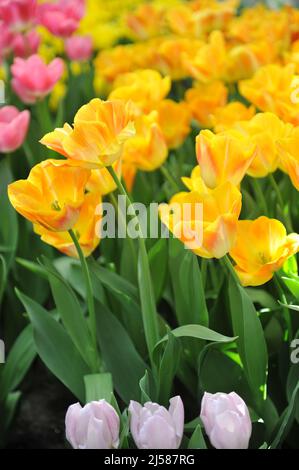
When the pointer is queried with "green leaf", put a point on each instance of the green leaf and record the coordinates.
(168, 367)
(190, 304)
(71, 314)
(55, 348)
(3, 277)
(18, 362)
(98, 387)
(292, 284)
(145, 388)
(9, 229)
(158, 258)
(197, 440)
(251, 342)
(7, 414)
(119, 354)
(287, 420)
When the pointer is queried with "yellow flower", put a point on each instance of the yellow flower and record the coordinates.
(146, 22)
(101, 181)
(113, 62)
(147, 151)
(84, 229)
(261, 248)
(174, 120)
(289, 155)
(129, 172)
(195, 182)
(205, 222)
(97, 138)
(264, 130)
(223, 157)
(274, 88)
(204, 99)
(52, 195)
(225, 117)
(144, 87)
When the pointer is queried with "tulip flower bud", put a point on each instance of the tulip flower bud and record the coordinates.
(226, 420)
(95, 426)
(155, 427)
(13, 128)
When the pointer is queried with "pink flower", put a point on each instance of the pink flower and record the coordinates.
(226, 420)
(62, 18)
(24, 45)
(6, 41)
(79, 48)
(33, 79)
(13, 128)
(18, 15)
(95, 426)
(155, 427)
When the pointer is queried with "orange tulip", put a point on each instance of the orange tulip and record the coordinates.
(205, 222)
(289, 155)
(147, 151)
(84, 229)
(225, 117)
(110, 63)
(145, 88)
(146, 21)
(100, 131)
(52, 195)
(223, 157)
(174, 120)
(261, 248)
(204, 99)
(101, 181)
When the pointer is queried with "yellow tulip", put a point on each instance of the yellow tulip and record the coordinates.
(147, 151)
(52, 195)
(205, 222)
(145, 22)
(84, 229)
(224, 157)
(195, 182)
(174, 120)
(99, 133)
(289, 155)
(101, 181)
(261, 248)
(225, 117)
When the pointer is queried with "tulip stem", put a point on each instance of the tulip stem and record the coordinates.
(148, 308)
(259, 195)
(286, 216)
(89, 297)
(169, 178)
(227, 262)
(287, 316)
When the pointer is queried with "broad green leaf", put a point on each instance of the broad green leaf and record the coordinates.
(187, 285)
(18, 362)
(287, 420)
(292, 284)
(9, 229)
(145, 388)
(168, 367)
(56, 348)
(251, 342)
(98, 387)
(197, 440)
(7, 414)
(3, 276)
(262, 297)
(158, 257)
(119, 355)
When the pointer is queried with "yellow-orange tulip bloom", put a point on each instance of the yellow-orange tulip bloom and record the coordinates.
(99, 133)
(84, 229)
(146, 21)
(101, 181)
(204, 99)
(195, 182)
(111, 63)
(210, 232)
(223, 157)
(225, 117)
(264, 130)
(52, 195)
(147, 151)
(174, 119)
(274, 88)
(261, 248)
(145, 88)
(129, 172)
(289, 155)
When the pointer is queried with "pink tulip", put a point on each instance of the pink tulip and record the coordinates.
(33, 79)
(95, 426)
(13, 128)
(24, 45)
(226, 420)
(18, 15)
(155, 427)
(62, 18)
(6, 41)
(79, 48)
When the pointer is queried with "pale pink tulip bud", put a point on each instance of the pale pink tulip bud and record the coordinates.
(62, 18)
(226, 420)
(18, 15)
(79, 48)
(155, 427)
(24, 45)
(33, 79)
(13, 128)
(95, 426)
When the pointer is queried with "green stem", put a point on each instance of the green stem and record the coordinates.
(204, 266)
(43, 117)
(170, 178)
(149, 315)
(89, 296)
(259, 195)
(227, 262)
(286, 216)
(28, 154)
(282, 297)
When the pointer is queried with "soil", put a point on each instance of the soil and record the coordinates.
(39, 422)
